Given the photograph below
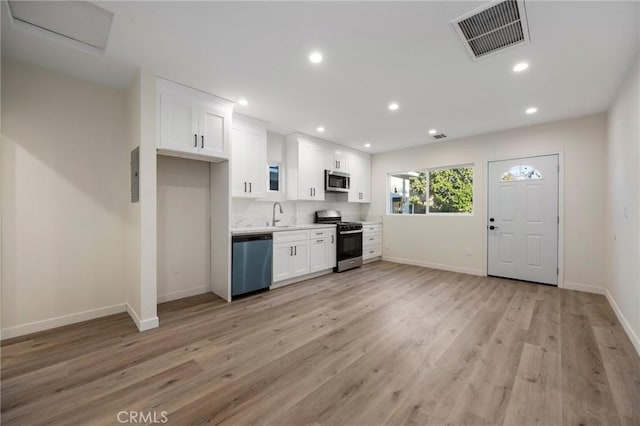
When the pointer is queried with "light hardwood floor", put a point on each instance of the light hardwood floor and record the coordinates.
(384, 344)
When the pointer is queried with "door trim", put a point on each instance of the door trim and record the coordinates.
(561, 210)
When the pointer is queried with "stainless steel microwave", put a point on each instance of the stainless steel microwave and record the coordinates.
(336, 181)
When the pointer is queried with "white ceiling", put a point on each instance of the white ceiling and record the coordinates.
(374, 53)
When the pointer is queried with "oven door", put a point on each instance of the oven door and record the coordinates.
(349, 244)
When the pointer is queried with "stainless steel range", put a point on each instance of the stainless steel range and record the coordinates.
(349, 247)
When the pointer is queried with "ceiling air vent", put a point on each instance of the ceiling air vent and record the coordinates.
(491, 28)
(440, 136)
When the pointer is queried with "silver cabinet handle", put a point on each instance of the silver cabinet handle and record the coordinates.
(291, 251)
(202, 146)
(250, 190)
(332, 239)
(295, 250)
(195, 141)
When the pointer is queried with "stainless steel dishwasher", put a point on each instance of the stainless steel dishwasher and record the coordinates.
(252, 263)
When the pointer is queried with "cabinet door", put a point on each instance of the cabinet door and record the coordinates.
(365, 180)
(310, 172)
(360, 191)
(318, 255)
(336, 161)
(256, 163)
(212, 141)
(282, 261)
(239, 148)
(331, 249)
(300, 258)
(178, 123)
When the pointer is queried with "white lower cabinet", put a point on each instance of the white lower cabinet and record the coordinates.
(318, 259)
(332, 246)
(371, 241)
(298, 253)
(290, 254)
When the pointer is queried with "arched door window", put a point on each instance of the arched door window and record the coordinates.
(521, 172)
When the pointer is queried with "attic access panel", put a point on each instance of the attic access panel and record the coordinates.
(493, 27)
(76, 21)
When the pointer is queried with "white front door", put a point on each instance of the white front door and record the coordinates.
(523, 219)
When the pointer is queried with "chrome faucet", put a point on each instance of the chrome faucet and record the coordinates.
(273, 220)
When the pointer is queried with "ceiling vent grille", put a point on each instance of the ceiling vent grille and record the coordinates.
(491, 28)
(439, 136)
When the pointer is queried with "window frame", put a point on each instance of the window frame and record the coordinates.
(427, 171)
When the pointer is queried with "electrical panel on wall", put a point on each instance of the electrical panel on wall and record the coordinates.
(135, 175)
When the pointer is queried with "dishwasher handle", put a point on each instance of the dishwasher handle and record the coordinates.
(251, 237)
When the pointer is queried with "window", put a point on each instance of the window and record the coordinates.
(521, 172)
(445, 190)
(274, 177)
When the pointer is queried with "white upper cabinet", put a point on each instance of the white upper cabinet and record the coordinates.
(337, 159)
(248, 158)
(193, 124)
(360, 170)
(305, 168)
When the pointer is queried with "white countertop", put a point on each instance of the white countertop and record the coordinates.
(269, 229)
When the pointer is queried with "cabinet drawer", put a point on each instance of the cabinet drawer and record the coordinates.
(372, 228)
(371, 240)
(290, 236)
(373, 251)
(318, 233)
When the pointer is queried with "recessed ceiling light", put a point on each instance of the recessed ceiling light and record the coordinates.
(320, 129)
(531, 110)
(521, 66)
(367, 145)
(315, 57)
(433, 131)
(393, 106)
(243, 102)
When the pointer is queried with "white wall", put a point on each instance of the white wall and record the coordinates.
(65, 195)
(184, 240)
(133, 218)
(623, 204)
(458, 243)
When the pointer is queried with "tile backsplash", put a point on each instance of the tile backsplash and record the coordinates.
(253, 213)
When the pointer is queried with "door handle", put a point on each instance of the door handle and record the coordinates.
(332, 239)
(202, 146)
(295, 250)
(195, 141)
(245, 187)
(291, 251)
(250, 187)
(493, 227)
(310, 192)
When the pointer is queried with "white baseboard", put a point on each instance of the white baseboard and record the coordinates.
(431, 265)
(625, 324)
(183, 293)
(143, 325)
(34, 327)
(587, 288)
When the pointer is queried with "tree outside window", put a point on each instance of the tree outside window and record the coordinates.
(448, 190)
